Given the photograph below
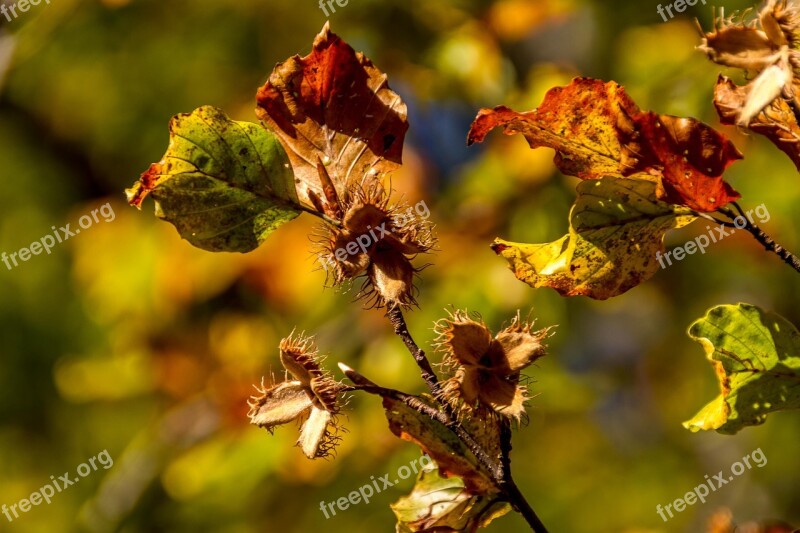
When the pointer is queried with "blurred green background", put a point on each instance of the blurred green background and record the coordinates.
(126, 338)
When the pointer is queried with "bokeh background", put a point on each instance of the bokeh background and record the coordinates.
(129, 340)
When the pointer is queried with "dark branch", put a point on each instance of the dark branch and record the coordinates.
(397, 319)
(509, 486)
(765, 240)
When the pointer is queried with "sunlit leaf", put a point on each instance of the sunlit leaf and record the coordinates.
(588, 123)
(335, 107)
(597, 130)
(444, 504)
(616, 229)
(756, 355)
(225, 185)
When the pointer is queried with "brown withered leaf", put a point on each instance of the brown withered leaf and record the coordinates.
(777, 122)
(598, 131)
(333, 107)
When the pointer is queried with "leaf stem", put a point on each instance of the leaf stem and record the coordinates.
(765, 240)
(714, 220)
(323, 216)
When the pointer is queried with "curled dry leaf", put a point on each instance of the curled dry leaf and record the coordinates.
(337, 118)
(598, 131)
(588, 123)
(692, 157)
(343, 128)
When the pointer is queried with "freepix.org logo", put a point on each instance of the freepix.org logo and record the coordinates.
(57, 485)
(58, 236)
(714, 235)
(363, 242)
(14, 10)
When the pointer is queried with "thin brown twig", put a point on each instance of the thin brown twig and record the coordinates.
(515, 496)
(395, 315)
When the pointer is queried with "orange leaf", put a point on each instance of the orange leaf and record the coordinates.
(597, 131)
(693, 157)
(588, 123)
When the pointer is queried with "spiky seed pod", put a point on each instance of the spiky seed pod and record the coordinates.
(487, 368)
(376, 241)
(299, 357)
(781, 22)
(312, 398)
(390, 279)
(278, 405)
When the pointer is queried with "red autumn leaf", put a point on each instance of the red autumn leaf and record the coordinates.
(693, 157)
(597, 130)
(337, 118)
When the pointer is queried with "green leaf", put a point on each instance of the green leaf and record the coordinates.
(756, 355)
(225, 185)
(440, 443)
(617, 227)
(440, 503)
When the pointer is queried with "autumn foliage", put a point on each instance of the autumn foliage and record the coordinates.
(331, 132)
